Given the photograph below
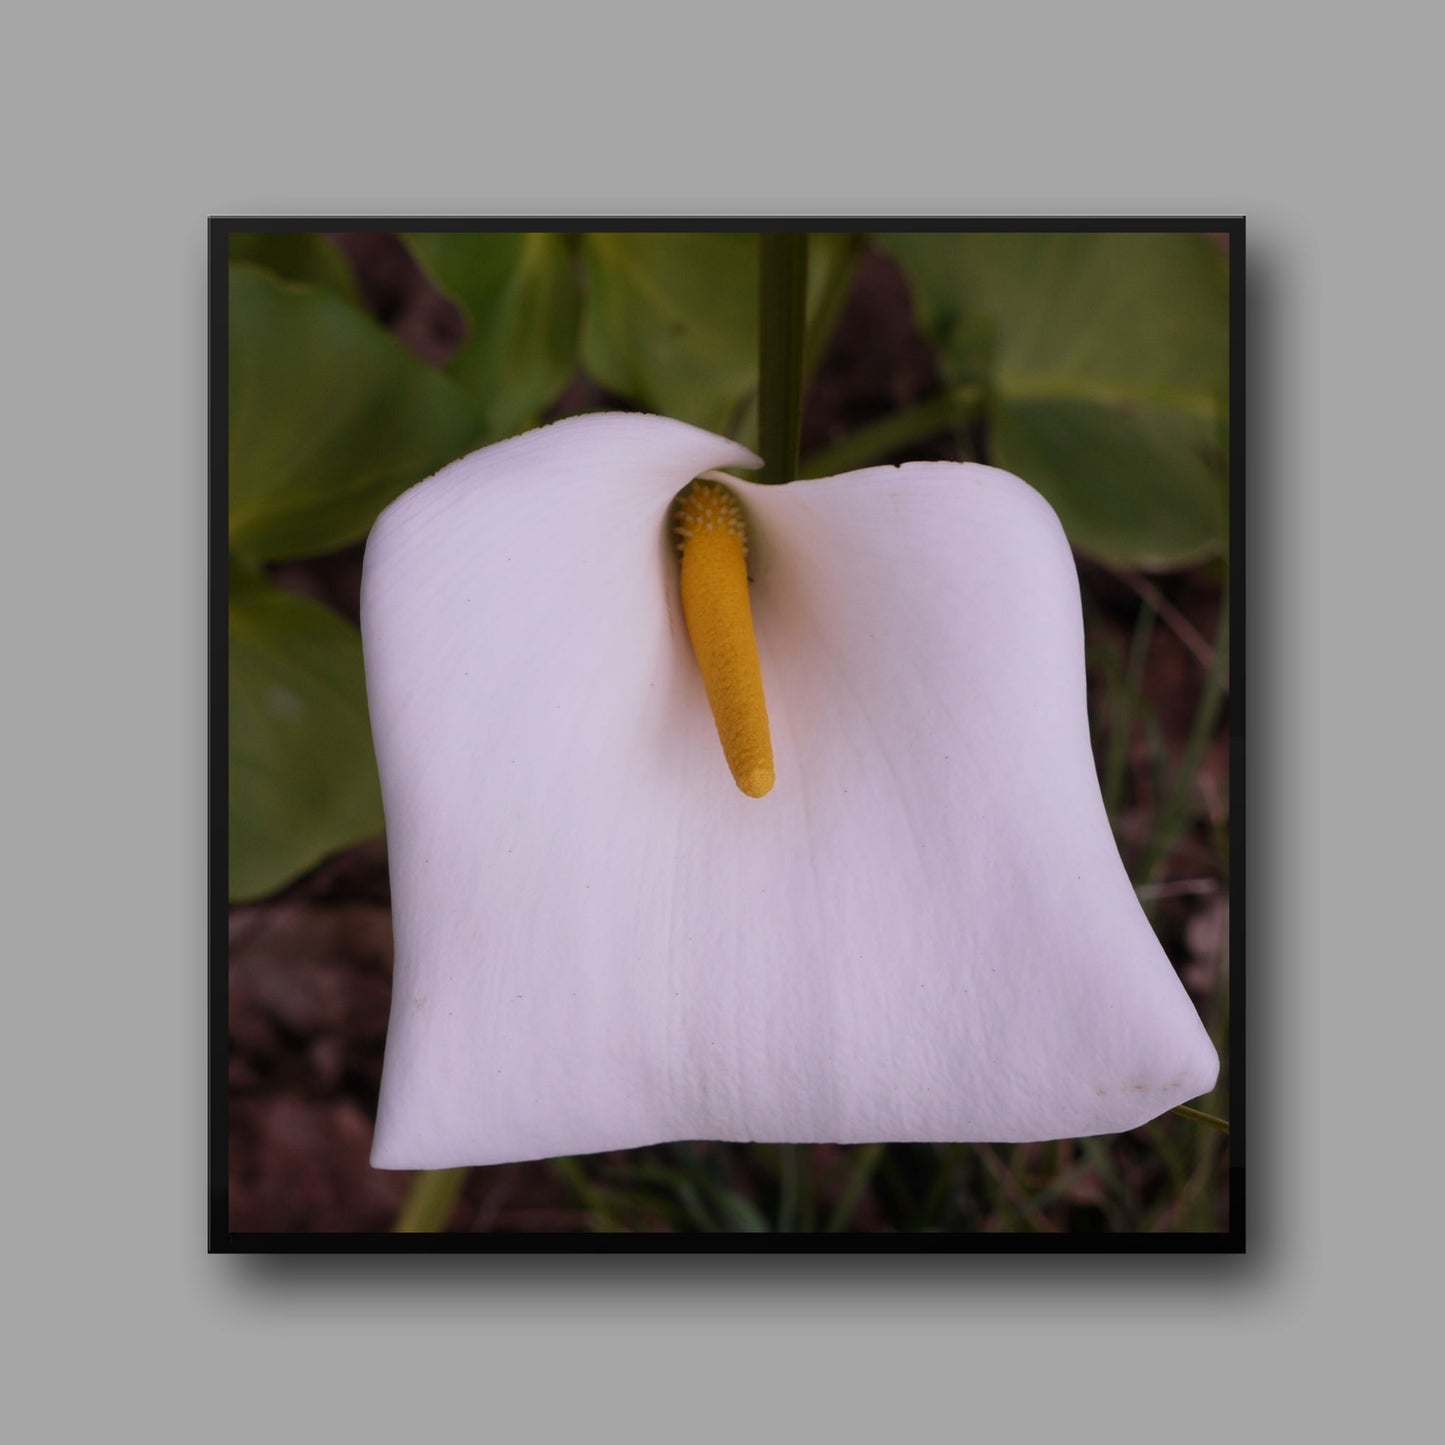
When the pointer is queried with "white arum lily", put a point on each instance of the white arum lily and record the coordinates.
(922, 931)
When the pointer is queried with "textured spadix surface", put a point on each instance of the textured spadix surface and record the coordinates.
(923, 932)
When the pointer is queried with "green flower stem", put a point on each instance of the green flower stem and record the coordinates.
(430, 1201)
(1212, 1121)
(874, 443)
(830, 284)
(782, 325)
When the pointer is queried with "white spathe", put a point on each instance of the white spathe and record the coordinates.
(924, 932)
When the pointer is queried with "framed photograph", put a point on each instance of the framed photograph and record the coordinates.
(722, 734)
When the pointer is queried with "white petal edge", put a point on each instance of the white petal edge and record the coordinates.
(923, 933)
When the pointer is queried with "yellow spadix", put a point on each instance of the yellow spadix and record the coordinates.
(713, 540)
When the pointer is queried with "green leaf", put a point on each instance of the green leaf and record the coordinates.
(1105, 358)
(1131, 487)
(518, 292)
(671, 320)
(299, 256)
(330, 419)
(302, 774)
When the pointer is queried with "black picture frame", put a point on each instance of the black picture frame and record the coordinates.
(223, 1239)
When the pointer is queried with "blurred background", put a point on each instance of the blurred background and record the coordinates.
(1093, 365)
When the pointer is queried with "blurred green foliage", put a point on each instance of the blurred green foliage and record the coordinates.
(302, 773)
(671, 320)
(300, 256)
(1103, 360)
(519, 297)
(331, 418)
(1100, 363)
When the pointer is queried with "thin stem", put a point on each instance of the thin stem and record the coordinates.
(1172, 617)
(594, 1198)
(1127, 696)
(787, 1220)
(867, 1161)
(782, 324)
(1212, 1121)
(832, 264)
(807, 1195)
(430, 1201)
(1013, 1193)
(1172, 817)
